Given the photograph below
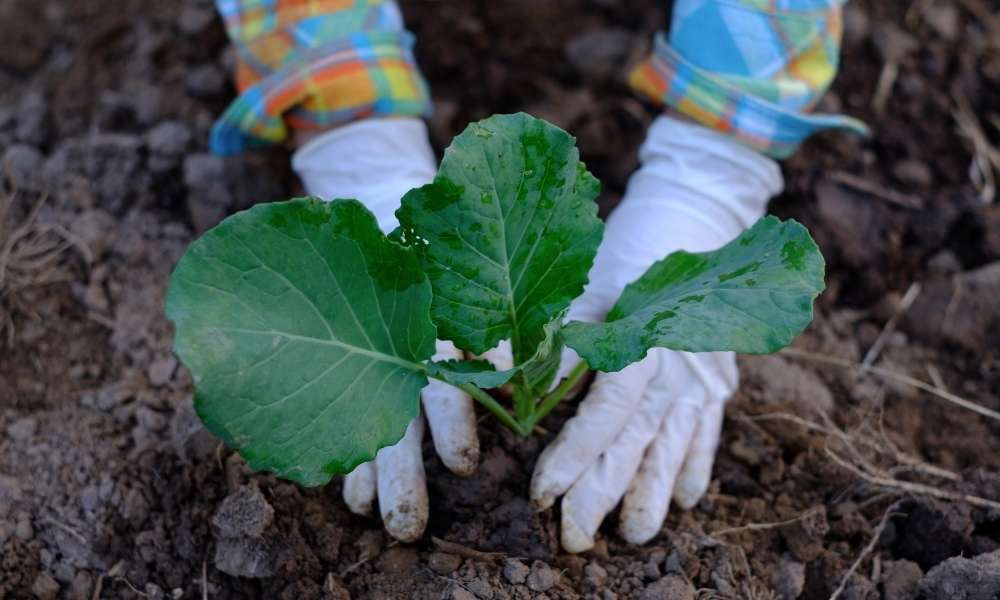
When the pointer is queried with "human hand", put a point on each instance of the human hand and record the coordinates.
(377, 161)
(650, 431)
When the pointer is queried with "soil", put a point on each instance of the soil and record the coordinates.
(110, 488)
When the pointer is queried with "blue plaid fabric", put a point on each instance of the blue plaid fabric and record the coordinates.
(749, 68)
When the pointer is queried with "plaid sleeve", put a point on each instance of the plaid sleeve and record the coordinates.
(315, 64)
(750, 68)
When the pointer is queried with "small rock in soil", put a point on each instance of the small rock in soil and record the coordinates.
(520, 530)
(929, 536)
(22, 429)
(673, 586)
(194, 20)
(205, 81)
(783, 382)
(892, 43)
(96, 229)
(480, 587)
(515, 571)
(369, 544)
(913, 172)
(246, 545)
(32, 119)
(22, 48)
(334, 590)
(45, 587)
(599, 55)
(244, 513)
(170, 138)
(541, 577)
(209, 196)
(945, 19)
(398, 560)
(443, 563)
(161, 370)
(595, 575)
(961, 578)
(900, 579)
(245, 557)
(154, 592)
(805, 536)
(457, 592)
(789, 579)
(23, 164)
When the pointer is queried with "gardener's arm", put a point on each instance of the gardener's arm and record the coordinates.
(650, 432)
(343, 83)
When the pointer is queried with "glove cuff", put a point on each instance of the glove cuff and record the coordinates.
(748, 71)
(375, 161)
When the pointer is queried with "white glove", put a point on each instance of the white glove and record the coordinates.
(376, 161)
(651, 430)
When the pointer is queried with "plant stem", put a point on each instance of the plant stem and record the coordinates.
(494, 407)
(524, 403)
(558, 394)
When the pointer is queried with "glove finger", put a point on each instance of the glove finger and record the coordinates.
(648, 498)
(451, 417)
(613, 399)
(696, 474)
(359, 489)
(719, 375)
(603, 484)
(402, 487)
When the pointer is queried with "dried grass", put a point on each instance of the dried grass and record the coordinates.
(33, 253)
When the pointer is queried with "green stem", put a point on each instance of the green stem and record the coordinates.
(557, 395)
(524, 403)
(494, 407)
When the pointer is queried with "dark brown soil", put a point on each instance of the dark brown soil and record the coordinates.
(110, 488)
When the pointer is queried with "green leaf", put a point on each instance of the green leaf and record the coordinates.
(506, 233)
(478, 372)
(305, 330)
(753, 295)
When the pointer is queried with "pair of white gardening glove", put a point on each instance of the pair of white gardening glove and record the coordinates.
(641, 435)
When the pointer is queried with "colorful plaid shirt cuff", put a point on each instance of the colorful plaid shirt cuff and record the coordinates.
(315, 64)
(749, 68)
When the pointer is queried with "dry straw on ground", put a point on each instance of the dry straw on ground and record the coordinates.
(33, 253)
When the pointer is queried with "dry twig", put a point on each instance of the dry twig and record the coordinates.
(465, 551)
(876, 535)
(894, 376)
(765, 526)
(870, 187)
(904, 305)
(985, 157)
(31, 255)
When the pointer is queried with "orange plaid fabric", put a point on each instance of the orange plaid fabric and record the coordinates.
(315, 64)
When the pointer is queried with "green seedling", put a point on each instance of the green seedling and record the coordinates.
(309, 333)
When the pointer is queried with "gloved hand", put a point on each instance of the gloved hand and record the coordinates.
(377, 161)
(650, 431)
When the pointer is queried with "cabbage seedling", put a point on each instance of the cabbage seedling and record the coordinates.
(309, 333)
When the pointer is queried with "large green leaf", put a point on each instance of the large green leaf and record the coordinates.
(305, 330)
(506, 233)
(753, 295)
